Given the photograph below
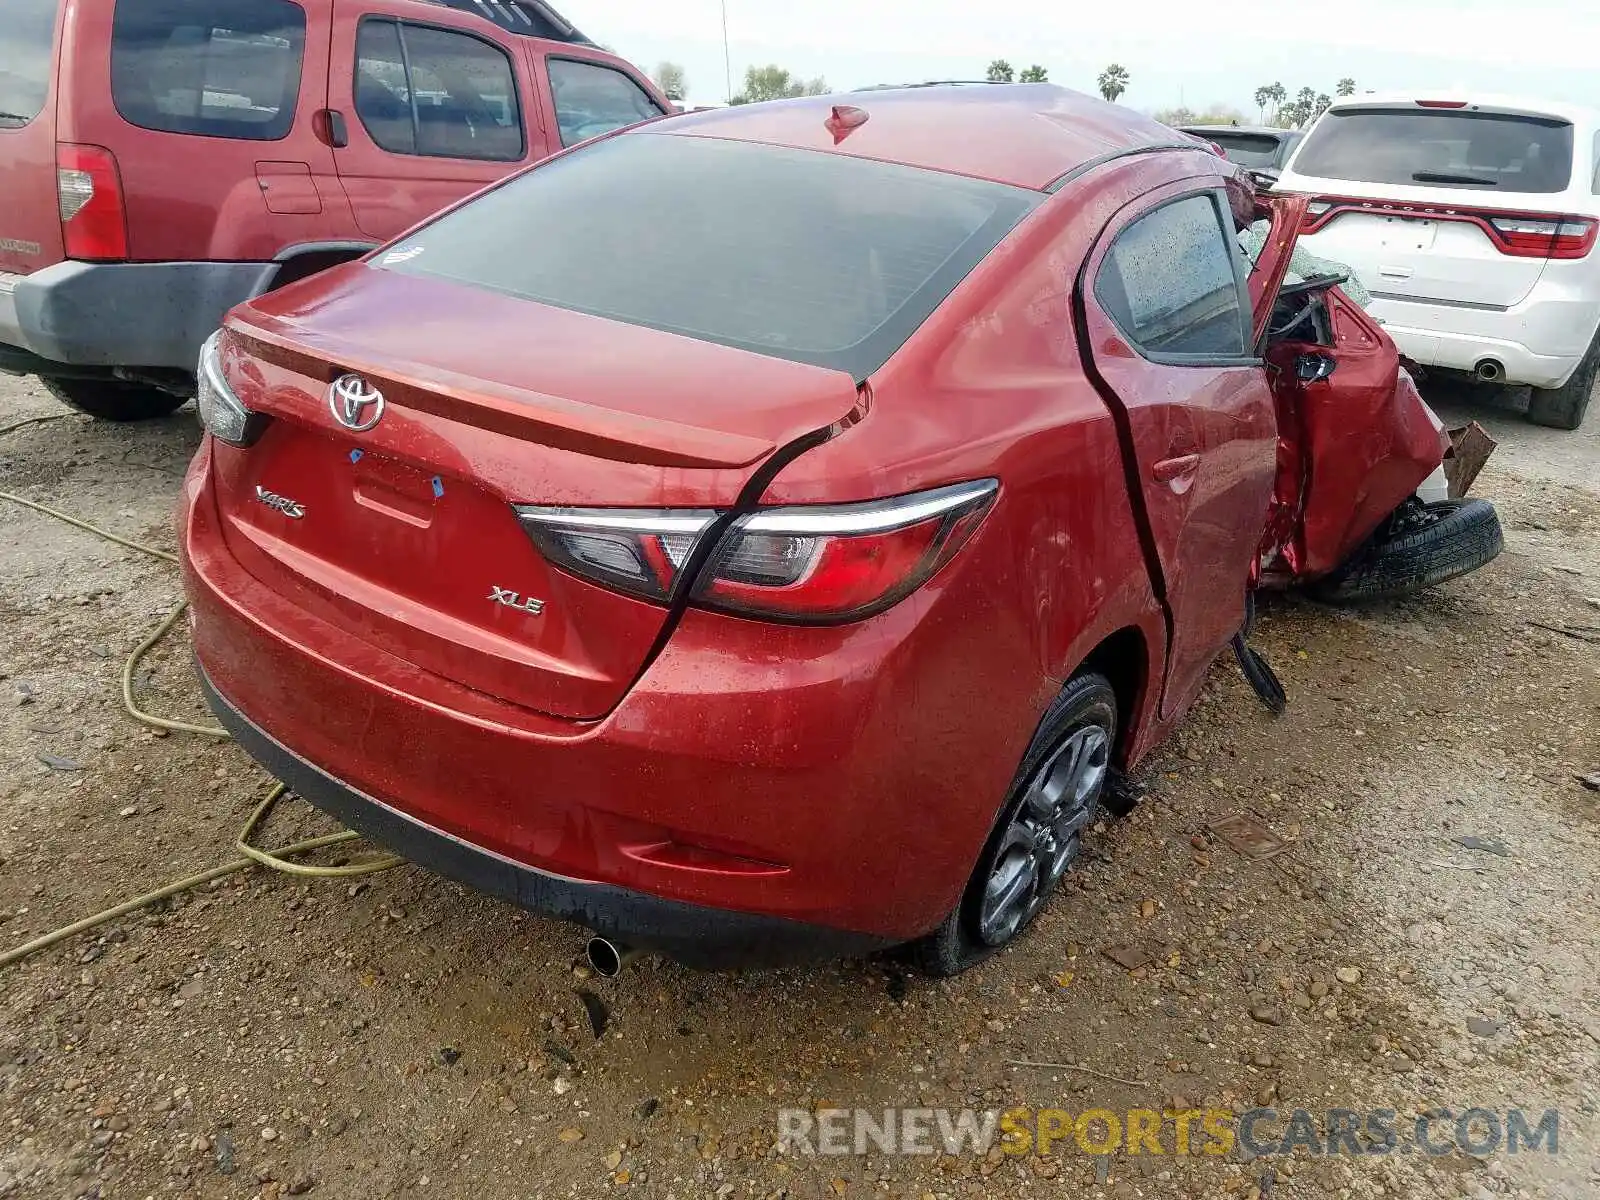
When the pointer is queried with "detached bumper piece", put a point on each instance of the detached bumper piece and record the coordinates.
(694, 935)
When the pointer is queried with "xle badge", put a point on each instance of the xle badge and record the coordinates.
(511, 599)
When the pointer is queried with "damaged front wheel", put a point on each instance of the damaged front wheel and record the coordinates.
(1418, 546)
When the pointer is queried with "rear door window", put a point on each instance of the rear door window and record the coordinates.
(1440, 147)
(436, 92)
(592, 99)
(1171, 283)
(217, 68)
(27, 54)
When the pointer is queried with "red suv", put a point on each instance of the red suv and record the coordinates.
(793, 583)
(162, 160)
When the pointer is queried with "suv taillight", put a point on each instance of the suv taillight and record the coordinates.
(812, 564)
(94, 222)
(1544, 237)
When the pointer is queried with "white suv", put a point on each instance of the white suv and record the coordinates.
(1471, 220)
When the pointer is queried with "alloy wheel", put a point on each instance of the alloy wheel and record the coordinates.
(1044, 834)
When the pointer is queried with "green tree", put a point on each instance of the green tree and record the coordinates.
(1321, 106)
(1000, 72)
(1347, 86)
(1113, 81)
(772, 82)
(670, 78)
(1277, 95)
(1034, 74)
(1263, 98)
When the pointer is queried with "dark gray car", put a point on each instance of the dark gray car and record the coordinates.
(1258, 149)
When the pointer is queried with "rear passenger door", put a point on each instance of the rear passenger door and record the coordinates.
(1169, 321)
(429, 111)
(586, 97)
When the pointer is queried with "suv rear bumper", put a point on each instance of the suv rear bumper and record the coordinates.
(1539, 342)
(119, 314)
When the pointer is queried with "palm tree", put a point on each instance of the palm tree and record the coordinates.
(1000, 71)
(1263, 98)
(1277, 95)
(1113, 81)
(1323, 101)
(1347, 86)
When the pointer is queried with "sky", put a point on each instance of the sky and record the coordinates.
(1177, 53)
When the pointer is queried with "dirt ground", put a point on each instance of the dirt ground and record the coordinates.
(268, 1036)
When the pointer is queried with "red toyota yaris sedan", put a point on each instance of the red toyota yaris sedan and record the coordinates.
(758, 534)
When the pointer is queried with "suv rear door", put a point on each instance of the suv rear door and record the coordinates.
(30, 222)
(1436, 204)
(434, 107)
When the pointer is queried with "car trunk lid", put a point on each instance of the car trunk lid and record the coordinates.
(406, 536)
(30, 220)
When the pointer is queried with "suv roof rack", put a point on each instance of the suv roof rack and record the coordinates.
(534, 18)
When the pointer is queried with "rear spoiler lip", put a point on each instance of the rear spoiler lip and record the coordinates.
(513, 412)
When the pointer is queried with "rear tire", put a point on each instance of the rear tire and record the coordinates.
(1563, 407)
(1419, 546)
(114, 400)
(1039, 835)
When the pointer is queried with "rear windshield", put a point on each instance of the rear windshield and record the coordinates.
(1248, 149)
(815, 257)
(219, 68)
(27, 52)
(1440, 148)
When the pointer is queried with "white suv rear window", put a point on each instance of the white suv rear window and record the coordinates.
(1440, 147)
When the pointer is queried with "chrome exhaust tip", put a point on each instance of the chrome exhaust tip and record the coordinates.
(608, 957)
(1489, 371)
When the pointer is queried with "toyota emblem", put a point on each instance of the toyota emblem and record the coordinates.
(356, 404)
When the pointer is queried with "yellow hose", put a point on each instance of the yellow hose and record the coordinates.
(252, 856)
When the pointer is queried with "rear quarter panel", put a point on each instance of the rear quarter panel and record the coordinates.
(993, 385)
(196, 198)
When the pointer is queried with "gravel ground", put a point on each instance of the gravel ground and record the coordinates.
(267, 1036)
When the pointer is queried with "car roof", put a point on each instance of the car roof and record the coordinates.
(531, 18)
(1257, 130)
(1027, 135)
(1482, 101)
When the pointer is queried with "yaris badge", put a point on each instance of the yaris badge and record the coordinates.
(355, 403)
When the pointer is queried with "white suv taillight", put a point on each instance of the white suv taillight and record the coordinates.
(820, 564)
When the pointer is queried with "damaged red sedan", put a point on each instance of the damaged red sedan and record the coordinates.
(788, 577)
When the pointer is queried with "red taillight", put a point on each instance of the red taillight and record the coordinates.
(94, 222)
(808, 564)
(1519, 235)
(1544, 237)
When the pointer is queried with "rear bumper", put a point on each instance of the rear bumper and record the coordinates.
(760, 794)
(695, 935)
(118, 314)
(1539, 342)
